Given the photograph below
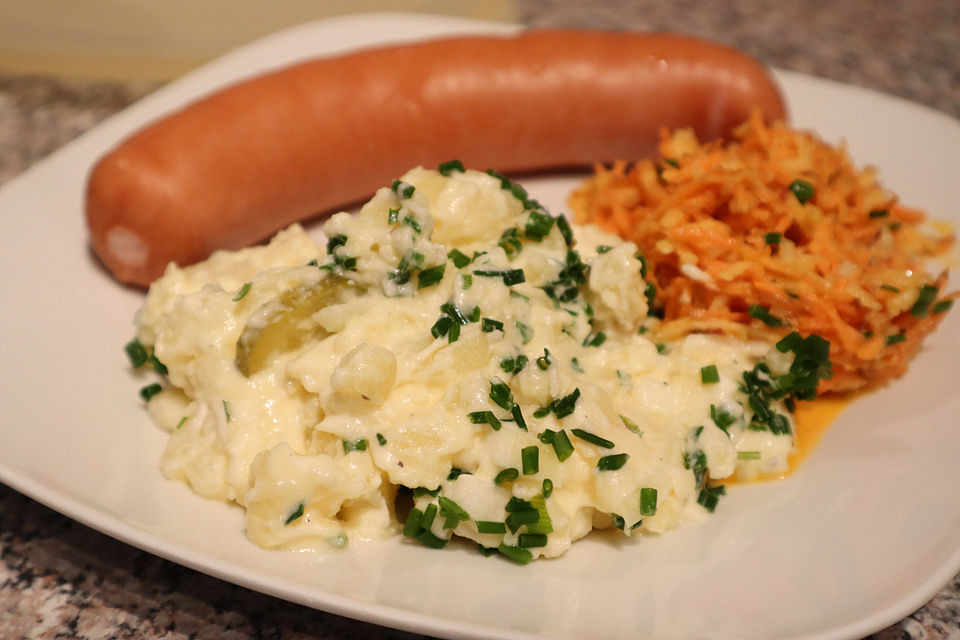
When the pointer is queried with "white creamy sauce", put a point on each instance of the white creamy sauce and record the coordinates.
(312, 394)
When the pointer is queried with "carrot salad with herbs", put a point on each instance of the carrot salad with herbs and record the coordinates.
(775, 232)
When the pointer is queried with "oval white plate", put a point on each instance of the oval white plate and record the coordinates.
(863, 534)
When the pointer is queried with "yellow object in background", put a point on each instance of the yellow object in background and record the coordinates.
(159, 40)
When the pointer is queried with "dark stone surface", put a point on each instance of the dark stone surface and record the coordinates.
(60, 579)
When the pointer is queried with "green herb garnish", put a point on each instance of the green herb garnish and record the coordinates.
(448, 167)
(507, 475)
(244, 290)
(297, 513)
(592, 438)
(803, 190)
(530, 459)
(612, 462)
(354, 445)
(709, 374)
(431, 276)
(648, 501)
(763, 314)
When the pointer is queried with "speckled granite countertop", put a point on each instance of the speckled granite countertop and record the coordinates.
(59, 579)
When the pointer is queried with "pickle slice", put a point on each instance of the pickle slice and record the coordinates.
(287, 322)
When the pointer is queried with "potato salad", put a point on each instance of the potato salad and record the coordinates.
(453, 362)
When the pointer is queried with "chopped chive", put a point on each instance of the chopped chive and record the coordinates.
(487, 526)
(412, 223)
(519, 518)
(448, 167)
(381, 439)
(514, 365)
(709, 374)
(544, 361)
(485, 417)
(542, 412)
(297, 513)
(518, 504)
(412, 525)
(648, 501)
(393, 215)
(431, 276)
(612, 462)
(697, 432)
(500, 394)
(518, 555)
(748, 455)
(709, 497)
(183, 420)
(896, 338)
(441, 326)
(158, 366)
(928, 293)
(879, 213)
(617, 521)
(419, 492)
(592, 438)
(547, 487)
(428, 539)
(721, 417)
(354, 445)
(488, 325)
(566, 405)
(452, 513)
(772, 238)
(887, 287)
(565, 230)
(402, 189)
(244, 290)
(136, 352)
(943, 305)
(428, 515)
(561, 445)
(507, 475)
(595, 339)
(575, 363)
(525, 331)
(530, 540)
(339, 240)
(467, 281)
(803, 190)
(530, 458)
(510, 243)
(486, 552)
(226, 410)
(456, 472)
(789, 342)
(474, 314)
(518, 417)
(460, 259)
(630, 424)
(538, 226)
(513, 276)
(451, 310)
(603, 248)
(763, 314)
(695, 460)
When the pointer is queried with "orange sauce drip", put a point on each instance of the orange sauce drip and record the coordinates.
(813, 420)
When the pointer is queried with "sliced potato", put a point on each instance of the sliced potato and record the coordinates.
(287, 322)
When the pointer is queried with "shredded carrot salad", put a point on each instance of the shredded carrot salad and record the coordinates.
(775, 232)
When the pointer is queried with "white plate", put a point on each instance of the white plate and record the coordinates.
(863, 534)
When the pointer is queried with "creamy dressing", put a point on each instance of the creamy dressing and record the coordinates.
(309, 385)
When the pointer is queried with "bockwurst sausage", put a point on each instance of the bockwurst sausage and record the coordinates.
(236, 166)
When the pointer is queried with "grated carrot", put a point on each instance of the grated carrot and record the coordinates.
(849, 265)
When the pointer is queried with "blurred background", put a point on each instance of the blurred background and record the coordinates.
(67, 64)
